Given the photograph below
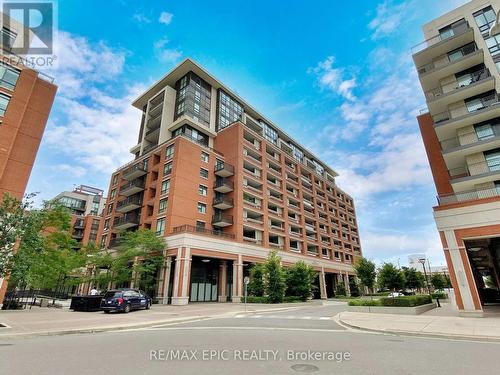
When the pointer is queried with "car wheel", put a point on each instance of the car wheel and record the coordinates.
(106, 311)
(148, 306)
(126, 309)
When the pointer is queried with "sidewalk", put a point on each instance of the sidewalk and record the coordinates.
(434, 323)
(52, 321)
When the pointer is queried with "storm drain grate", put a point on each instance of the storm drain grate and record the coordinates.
(300, 367)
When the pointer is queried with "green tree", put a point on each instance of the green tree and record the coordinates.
(413, 279)
(15, 220)
(366, 272)
(340, 289)
(390, 277)
(142, 245)
(256, 285)
(438, 281)
(299, 280)
(353, 287)
(275, 286)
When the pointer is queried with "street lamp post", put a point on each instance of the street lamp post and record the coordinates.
(422, 261)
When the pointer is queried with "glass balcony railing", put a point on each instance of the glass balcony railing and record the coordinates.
(475, 169)
(456, 30)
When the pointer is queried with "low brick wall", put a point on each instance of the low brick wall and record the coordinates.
(417, 310)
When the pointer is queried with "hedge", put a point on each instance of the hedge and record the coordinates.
(364, 302)
(441, 295)
(406, 301)
(255, 299)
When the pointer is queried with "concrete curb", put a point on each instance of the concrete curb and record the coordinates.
(253, 309)
(421, 334)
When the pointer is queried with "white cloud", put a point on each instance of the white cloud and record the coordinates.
(72, 170)
(165, 18)
(164, 54)
(92, 128)
(141, 18)
(81, 64)
(388, 18)
(333, 78)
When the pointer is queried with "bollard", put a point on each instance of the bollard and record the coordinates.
(437, 300)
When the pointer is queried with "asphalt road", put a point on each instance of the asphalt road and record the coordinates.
(265, 343)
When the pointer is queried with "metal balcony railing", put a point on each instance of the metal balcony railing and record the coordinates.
(224, 169)
(445, 59)
(198, 230)
(487, 102)
(136, 183)
(458, 29)
(127, 219)
(475, 169)
(475, 77)
(469, 195)
(469, 138)
(134, 200)
(223, 201)
(222, 218)
(224, 183)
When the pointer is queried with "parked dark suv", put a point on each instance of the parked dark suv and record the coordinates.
(125, 300)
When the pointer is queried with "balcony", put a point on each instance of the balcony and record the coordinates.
(152, 133)
(223, 185)
(459, 35)
(223, 203)
(224, 170)
(465, 177)
(79, 224)
(222, 220)
(203, 231)
(135, 171)
(131, 188)
(476, 83)
(471, 142)
(129, 204)
(467, 196)
(126, 221)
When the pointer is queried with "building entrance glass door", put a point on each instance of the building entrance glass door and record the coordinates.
(204, 280)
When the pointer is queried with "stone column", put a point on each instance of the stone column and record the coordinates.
(164, 281)
(322, 284)
(237, 279)
(346, 283)
(182, 275)
(135, 275)
(223, 281)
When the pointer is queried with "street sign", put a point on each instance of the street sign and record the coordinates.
(246, 280)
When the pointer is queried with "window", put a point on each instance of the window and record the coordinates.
(169, 152)
(200, 224)
(162, 207)
(229, 110)
(497, 186)
(106, 224)
(4, 102)
(165, 187)
(203, 190)
(205, 157)
(481, 101)
(493, 44)
(193, 98)
(8, 37)
(192, 134)
(160, 227)
(202, 208)
(104, 238)
(203, 173)
(325, 253)
(484, 131)
(493, 159)
(454, 29)
(110, 208)
(297, 153)
(112, 194)
(8, 76)
(115, 179)
(485, 18)
(270, 133)
(167, 169)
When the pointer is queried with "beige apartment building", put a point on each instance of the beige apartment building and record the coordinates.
(224, 186)
(458, 67)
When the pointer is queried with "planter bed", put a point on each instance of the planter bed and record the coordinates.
(414, 310)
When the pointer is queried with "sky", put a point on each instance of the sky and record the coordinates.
(336, 75)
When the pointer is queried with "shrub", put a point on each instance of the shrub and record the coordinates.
(256, 286)
(407, 301)
(275, 288)
(256, 299)
(364, 302)
(292, 299)
(299, 279)
(353, 287)
(440, 295)
(340, 290)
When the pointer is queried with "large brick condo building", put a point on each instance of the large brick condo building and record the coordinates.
(458, 67)
(26, 98)
(224, 185)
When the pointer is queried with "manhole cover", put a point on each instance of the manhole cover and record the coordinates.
(305, 368)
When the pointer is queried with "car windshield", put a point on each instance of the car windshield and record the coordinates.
(113, 294)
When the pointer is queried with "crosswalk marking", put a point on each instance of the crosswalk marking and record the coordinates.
(283, 317)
